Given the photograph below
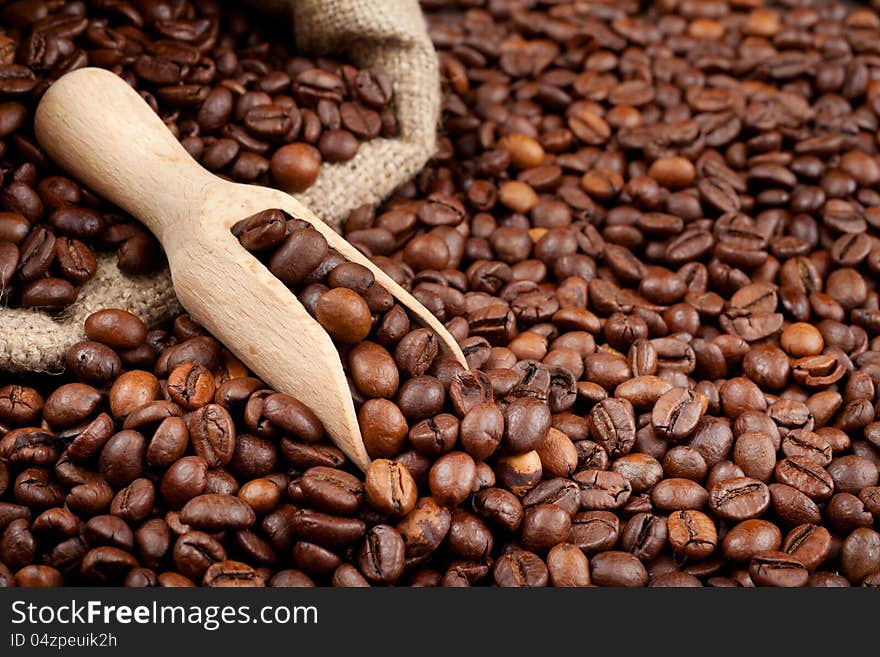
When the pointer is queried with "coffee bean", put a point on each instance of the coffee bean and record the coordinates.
(801, 473)
(692, 534)
(750, 537)
(674, 494)
(500, 507)
(567, 566)
(740, 498)
(520, 568)
(811, 544)
(614, 568)
(774, 568)
(390, 487)
(232, 574)
(295, 167)
(614, 427)
(123, 458)
(425, 527)
(452, 478)
(860, 554)
(116, 328)
(677, 413)
(381, 557)
(373, 370)
(332, 490)
(212, 434)
(195, 552)
(602, 490)
(527, 422)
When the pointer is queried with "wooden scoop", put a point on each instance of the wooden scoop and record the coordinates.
(99, 129)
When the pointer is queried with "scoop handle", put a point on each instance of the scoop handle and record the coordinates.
(99, 129)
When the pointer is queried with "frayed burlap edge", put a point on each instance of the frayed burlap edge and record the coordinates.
(31, 340)
(388, 34)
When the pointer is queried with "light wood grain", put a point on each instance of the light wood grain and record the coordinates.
(96, 127)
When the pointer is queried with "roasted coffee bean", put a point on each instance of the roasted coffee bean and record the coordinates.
(212, 433)
(740, 498)
(214, 512)
(332, 490)
(614, 427)
(390, 487)
(692, 534)
(567, 566)
(644, 536)
(195, 552)
(135, 501)
(500, 507)
(232, 574)
(184, 480)
(602, 490)
(793, 506)
(677, 412)
(811, 544)
(123, 458)
(381, 558)
(520, 568)
(749, 538)
(614, 568)
(860, 554)
(594, 531)
(802, 473)
(675, 494)
(71, 404)
(116, 328)
(452, 478)
(425, 527)
(774, 568)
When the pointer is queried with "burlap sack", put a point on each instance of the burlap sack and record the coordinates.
(389, 34)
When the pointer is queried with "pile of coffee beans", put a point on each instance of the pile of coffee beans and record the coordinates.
(225, 81)
(653, 229)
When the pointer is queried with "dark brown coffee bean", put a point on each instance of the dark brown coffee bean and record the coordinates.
(390, 487)
(617, 569)
(261, 231)
(773, 568)
(739, 499)
(750, 537)
(677, 413)
(602, 490)
(123, 458)
(195, 552)
(381, 557)
(692, 534)
(213, 512)
(116, 328)
(500, 507)
(425, 527)
(811, 544)
(793, 506)
(567, 566)
(860, 554)
(527, 422)
(520, 569)
(332, 490)
(594, 531)
(810, 479)
(212, 433)
(677, 494)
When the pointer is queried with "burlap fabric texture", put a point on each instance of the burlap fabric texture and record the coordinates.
(388, 34)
